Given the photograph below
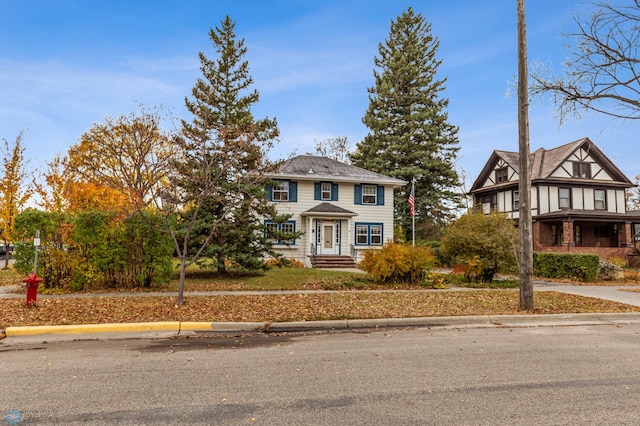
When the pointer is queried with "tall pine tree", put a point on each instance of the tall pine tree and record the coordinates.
(409, 133)
(220, 176)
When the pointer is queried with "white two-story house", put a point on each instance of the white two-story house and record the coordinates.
(577, 198)
(340, 209)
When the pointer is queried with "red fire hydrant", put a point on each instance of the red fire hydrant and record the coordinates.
(32, 282)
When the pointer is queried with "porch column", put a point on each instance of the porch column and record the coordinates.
(625, 235)
(311, 233)
(567, 234)
(535, 233)
(349, 236)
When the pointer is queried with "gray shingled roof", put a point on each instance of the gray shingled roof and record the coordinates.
(310, 167)
(545, 161)
(328, 209)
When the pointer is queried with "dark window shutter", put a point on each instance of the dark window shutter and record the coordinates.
(269, 192)
(317, 191)
(357, 194)
(293, 192)
(334, 192)
(380, 196)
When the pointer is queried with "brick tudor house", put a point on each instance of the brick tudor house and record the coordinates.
(577, 198)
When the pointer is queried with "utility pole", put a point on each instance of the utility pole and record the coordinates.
(524, 186)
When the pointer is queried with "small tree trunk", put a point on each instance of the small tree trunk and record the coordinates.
(183, 268)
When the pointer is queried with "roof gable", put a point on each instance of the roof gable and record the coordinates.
(556, 163)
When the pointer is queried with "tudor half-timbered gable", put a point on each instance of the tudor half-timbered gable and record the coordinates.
(577, 196)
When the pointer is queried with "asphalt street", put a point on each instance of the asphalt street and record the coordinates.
(542, 375)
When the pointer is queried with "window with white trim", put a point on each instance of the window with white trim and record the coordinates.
(281, 191)
(369, 194)
(326, 191)
(369, 234)
(274, 231)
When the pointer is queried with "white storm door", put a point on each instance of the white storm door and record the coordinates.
(328, 238)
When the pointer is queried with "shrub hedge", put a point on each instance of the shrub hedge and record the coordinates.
(581, 267)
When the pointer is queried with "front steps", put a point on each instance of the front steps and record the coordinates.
(331, 261)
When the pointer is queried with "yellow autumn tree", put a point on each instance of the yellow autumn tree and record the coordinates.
(90, 196)
(53, 186)
(15, 190)
(129, 154)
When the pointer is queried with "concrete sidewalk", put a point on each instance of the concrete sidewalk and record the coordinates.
(620, 294)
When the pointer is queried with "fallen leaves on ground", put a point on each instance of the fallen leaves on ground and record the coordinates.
(291, 307)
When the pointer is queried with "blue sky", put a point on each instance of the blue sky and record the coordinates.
(66, 64)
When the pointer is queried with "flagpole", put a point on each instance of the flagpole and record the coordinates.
(413, 216)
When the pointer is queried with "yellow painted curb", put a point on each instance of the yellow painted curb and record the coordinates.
(93, 328)
(196, 326)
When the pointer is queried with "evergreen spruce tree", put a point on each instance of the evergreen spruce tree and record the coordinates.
(409, 133)
(224, 161)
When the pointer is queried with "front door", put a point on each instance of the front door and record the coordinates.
(327, 243)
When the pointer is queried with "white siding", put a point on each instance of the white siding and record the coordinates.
(577, 198)
(598, 173)
(544, 200)
(365, 213)
(622, 206)
(564, 171)
(501, 202)
(589, 200)
(553, 199)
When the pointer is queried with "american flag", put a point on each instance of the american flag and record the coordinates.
(412, 201)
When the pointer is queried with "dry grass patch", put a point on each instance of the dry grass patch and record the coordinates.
(296, 307)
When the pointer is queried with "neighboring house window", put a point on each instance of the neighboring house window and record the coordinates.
(274, 230)
(283, 191)
(372, 195)
(556, 235)
(516, 200)
(581, 170)
(325, 191)
(578, 234)
(564, 200)
(502, 175)
(600, 199)
(368, 234)
(489, 203)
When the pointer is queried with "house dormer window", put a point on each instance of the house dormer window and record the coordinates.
(502, 175)
(581, 170)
